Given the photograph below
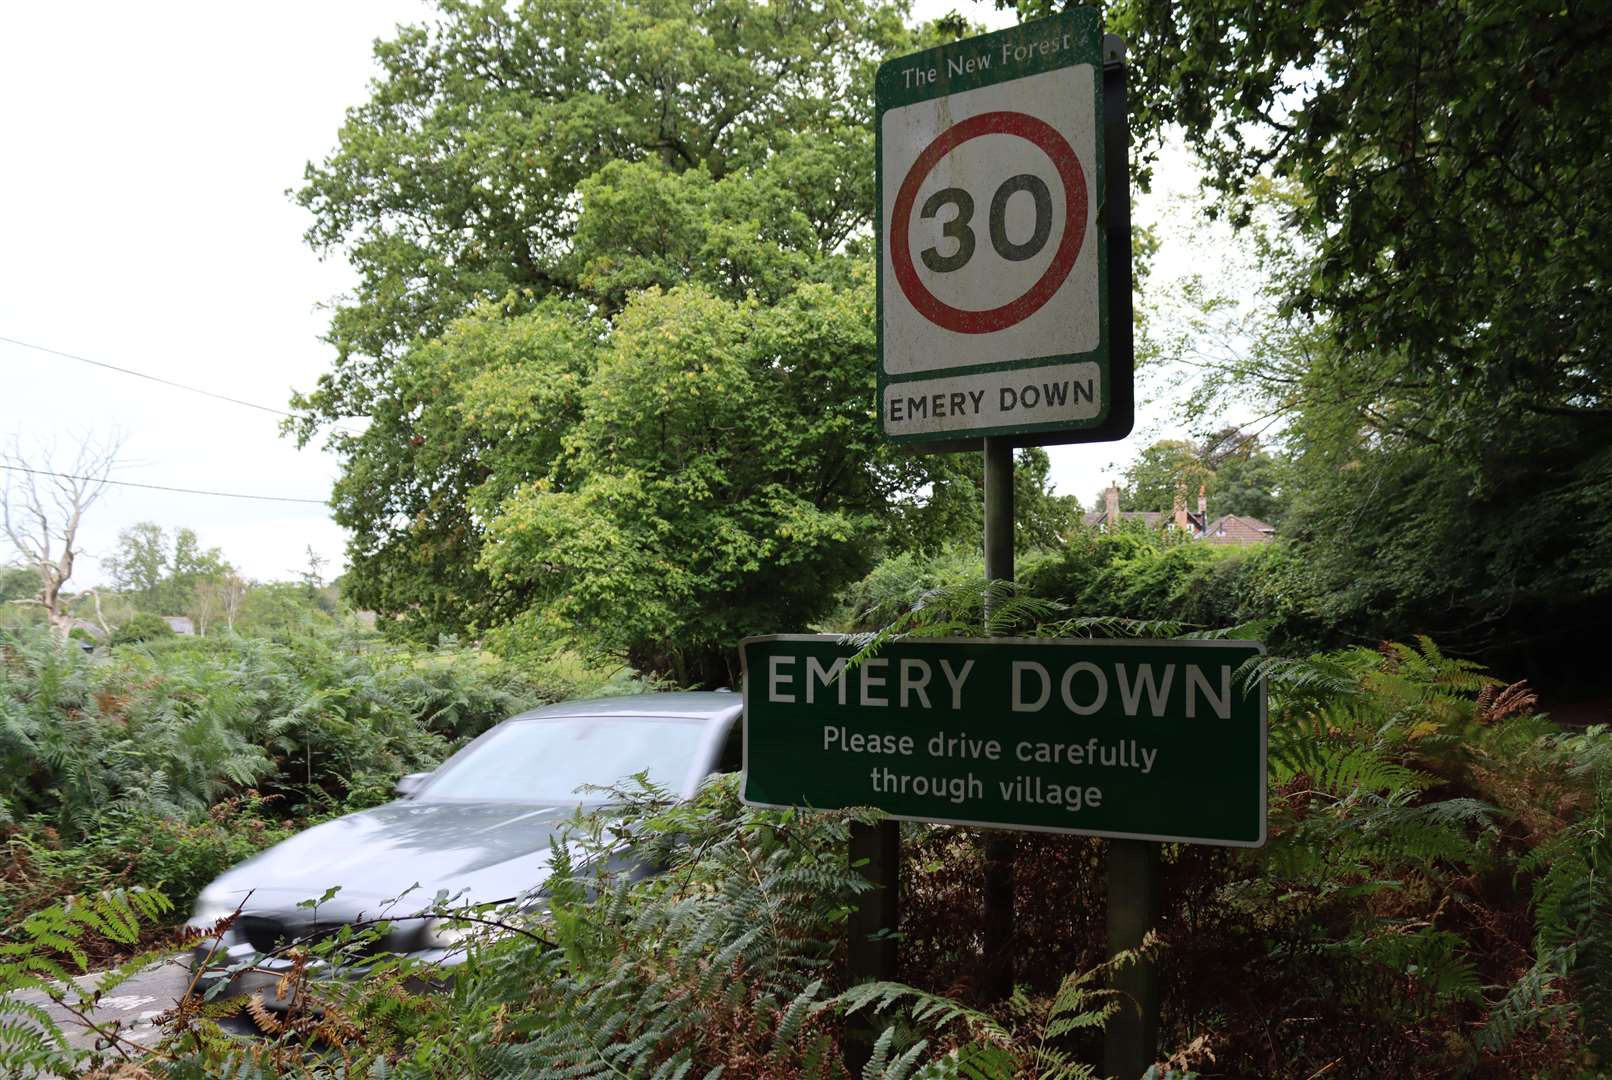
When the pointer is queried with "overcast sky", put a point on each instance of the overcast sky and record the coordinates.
(147, 150)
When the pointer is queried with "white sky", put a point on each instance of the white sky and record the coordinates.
(147, 150)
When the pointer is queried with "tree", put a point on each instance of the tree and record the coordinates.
(41, 509)
(1238, 475)
(1251, 485)
(313, 574)
(217, 598)
(722, 478)
(17, 583)
(161, 575)
(141, 626)
(948, 514)
(1169, 470)
(191, 565)
(1428, 190)
(515, 108)
(139, 563)
(527, 193)
(1455, 189)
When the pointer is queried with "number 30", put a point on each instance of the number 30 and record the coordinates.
(957, 228)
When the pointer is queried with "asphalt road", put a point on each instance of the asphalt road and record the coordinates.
(134, 1005)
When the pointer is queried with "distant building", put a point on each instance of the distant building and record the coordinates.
(1226, 529)
(1232, 529)
(180, 624)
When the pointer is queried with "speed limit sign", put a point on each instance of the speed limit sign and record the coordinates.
(993, 275)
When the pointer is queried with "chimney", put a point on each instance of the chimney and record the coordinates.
(1203, 503)
(1113, 506)
(1179, 511)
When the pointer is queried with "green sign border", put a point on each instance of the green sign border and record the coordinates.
(1117, 643)
(1086, 26)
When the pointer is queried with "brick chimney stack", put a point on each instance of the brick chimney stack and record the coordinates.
(1203, 503)
(1113, 506)
(1179, 510)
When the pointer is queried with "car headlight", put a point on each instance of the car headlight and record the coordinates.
(446, 933)
(212, 905)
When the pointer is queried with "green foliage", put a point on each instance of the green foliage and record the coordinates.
(1130, 573)
(173, 728)
(1447, 432)
(1236, 474)
(139, 627)
(724, 964)
(1030, 1041)
(174, 856)
(581, 153)
(626, 409)
(905, 580)
(37, 958)
(1409, 790)
(1572, 899)
(721, 480)
(1162, 473)
(1396, 775)
(17, 583)
(161, 574)
(1422, 138)
(1512, 565)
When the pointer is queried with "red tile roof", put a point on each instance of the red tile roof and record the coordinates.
(1226, 529)
(1232, 529)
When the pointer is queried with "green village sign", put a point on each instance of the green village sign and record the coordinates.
(1144, 740)
(994, 235)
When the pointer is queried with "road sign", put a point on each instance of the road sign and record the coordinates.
(1149, 740)
(993, 273)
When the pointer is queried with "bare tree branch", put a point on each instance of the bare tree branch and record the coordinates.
(41, 512)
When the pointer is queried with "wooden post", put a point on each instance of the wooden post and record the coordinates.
(1000, 845)
(870, 942)
(1132, 1038)
(1131, 1041)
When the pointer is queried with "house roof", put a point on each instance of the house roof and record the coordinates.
(1151, 518)
(1233, 529)
(1225, 529)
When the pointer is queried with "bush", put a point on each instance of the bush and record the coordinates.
(1380, 933)
(175, 727)
(1132, 573)
(175, 857)
(141, 626)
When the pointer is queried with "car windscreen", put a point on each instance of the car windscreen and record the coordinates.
(548, 760)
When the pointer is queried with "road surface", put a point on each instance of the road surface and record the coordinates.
(134, 1005)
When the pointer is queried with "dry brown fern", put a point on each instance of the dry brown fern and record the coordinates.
(1496, 703)
(263, 1016)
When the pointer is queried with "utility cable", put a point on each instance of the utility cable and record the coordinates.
(162, 487)
(156, 379)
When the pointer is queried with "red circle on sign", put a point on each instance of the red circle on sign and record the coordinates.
(1057, 148)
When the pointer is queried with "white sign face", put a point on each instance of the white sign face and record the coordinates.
(1019, 200)
(991, 277)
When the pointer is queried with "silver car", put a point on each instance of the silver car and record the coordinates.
(479, 828)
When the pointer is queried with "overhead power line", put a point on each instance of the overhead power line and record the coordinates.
(143, 375)
(162, 487)
(158, 379)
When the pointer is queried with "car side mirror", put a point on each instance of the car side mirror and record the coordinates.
(408, 785)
